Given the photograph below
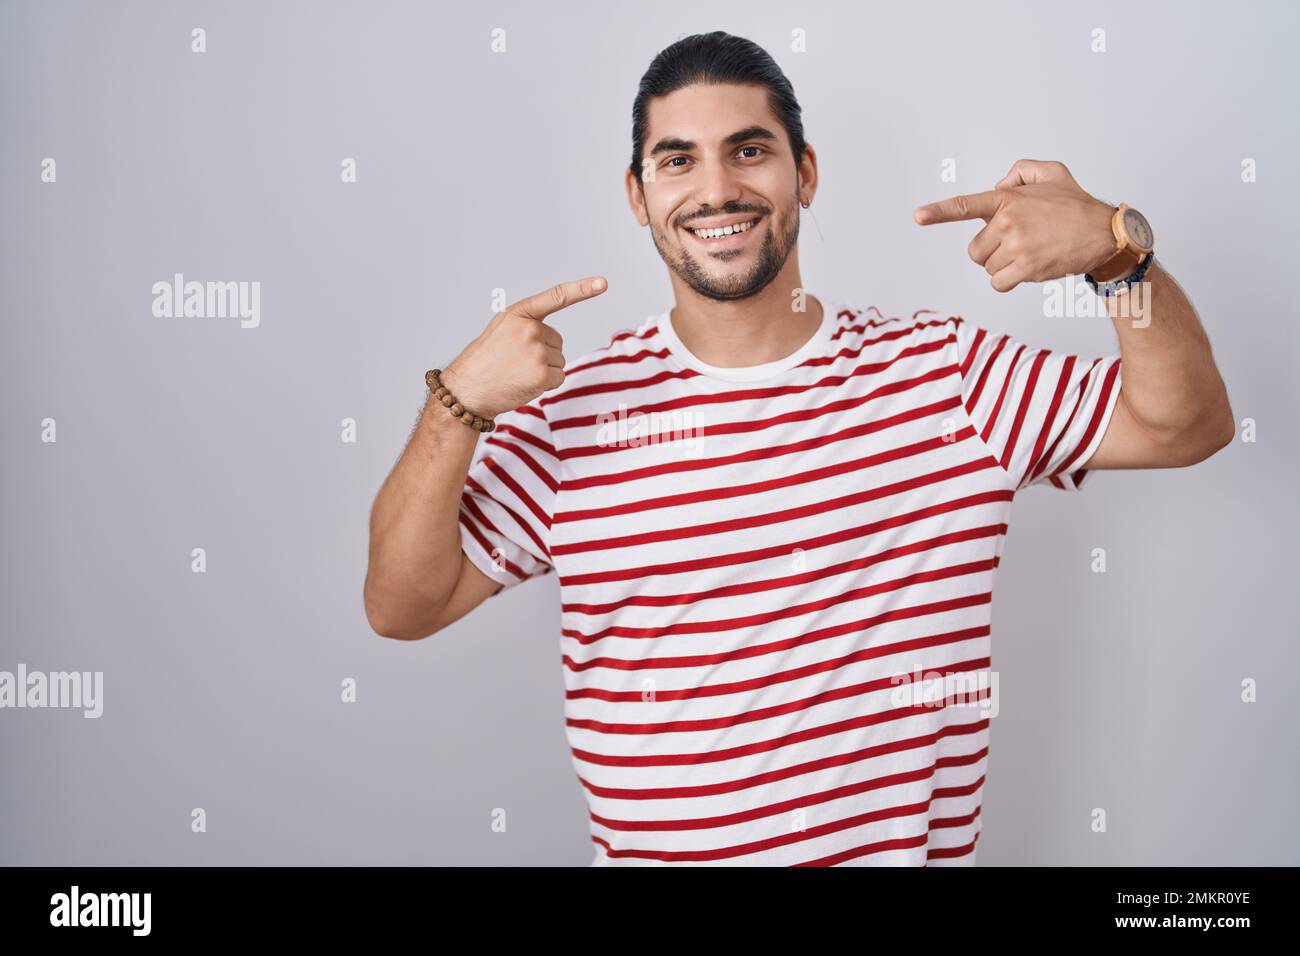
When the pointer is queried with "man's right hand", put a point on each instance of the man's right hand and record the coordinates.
(518, 356)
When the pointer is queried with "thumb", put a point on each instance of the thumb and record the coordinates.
(1027, 171)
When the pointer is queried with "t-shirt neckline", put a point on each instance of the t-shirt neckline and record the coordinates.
(749, 373)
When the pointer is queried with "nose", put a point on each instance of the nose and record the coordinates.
(716, 185)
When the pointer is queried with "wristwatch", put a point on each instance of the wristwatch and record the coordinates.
(1134, 243)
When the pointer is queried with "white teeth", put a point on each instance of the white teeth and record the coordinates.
(724, 230)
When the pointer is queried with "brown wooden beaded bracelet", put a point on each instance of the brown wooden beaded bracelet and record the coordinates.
(443, 394)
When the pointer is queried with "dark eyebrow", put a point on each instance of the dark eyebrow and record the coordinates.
(671, 144)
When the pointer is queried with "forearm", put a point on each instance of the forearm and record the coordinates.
(1170, 383)
(415, 553)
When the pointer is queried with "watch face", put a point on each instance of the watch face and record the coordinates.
(1138, 229)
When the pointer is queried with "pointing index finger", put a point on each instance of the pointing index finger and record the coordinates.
(974, 206)
(559, 297)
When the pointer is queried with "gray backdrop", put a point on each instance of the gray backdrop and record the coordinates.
(479, 170)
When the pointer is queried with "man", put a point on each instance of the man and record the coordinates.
(776, 518)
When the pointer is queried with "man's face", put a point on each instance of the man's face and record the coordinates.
(720, 158)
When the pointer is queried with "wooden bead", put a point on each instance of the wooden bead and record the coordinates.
(443, 395)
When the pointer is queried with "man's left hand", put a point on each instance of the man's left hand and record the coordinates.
(1039, 225)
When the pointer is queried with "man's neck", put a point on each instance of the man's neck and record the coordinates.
(754, 331)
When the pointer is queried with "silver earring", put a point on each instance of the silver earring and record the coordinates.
(805, 204)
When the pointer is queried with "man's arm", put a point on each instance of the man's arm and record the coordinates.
(419, 580)
(1172, 409)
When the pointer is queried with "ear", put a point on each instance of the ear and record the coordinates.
(636, 197)
(808, 172)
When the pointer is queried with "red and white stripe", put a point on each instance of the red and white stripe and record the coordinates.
(735, 614)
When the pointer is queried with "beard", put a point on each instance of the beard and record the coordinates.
(772, 254)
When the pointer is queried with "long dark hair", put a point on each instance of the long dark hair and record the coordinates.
(716, 57)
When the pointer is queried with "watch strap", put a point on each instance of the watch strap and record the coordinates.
(1122, 263)
(1108, 288)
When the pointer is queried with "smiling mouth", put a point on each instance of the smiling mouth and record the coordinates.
(724, 234)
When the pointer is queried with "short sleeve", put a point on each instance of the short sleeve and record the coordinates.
(1041, 413)
(506, 505)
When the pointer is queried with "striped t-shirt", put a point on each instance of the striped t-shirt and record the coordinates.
(776, 580)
